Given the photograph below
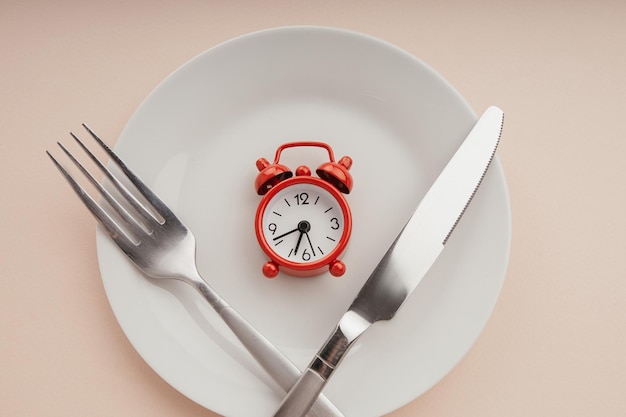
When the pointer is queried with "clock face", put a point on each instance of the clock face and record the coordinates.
(304, 223)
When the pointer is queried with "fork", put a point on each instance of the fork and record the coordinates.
(162, 247)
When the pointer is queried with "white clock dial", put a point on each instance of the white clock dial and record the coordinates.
(303, 223)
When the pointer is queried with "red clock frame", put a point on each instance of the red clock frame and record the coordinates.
(333, 178)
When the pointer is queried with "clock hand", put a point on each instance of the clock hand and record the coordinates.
(295, 252)
(304, 228)
(310, 244)
(285, 234)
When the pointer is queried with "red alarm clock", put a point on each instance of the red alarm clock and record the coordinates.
(303, 223)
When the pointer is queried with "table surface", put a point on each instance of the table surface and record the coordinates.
(555, 343)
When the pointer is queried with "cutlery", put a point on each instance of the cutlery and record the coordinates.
(162, 247)
(407, 261)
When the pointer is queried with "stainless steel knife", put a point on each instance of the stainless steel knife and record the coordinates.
(407, 260)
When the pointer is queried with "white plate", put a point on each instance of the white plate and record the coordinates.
(196, 138)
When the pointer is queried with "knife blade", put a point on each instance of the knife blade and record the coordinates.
(408, 259)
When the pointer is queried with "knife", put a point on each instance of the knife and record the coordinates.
(408, 259)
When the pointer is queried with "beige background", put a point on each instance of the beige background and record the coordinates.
(556, 342)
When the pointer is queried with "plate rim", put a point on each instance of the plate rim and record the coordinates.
(496, 164)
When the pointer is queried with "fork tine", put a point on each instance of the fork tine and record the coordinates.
(103, 218)
(128, 220)
(139, 208)
(160, 207)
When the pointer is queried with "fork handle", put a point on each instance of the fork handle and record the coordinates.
(275, 363)
(307, 390)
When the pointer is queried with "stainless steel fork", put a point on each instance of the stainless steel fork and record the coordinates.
(161, 246)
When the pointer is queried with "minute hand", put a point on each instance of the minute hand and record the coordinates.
(407, 260)
(287, 233)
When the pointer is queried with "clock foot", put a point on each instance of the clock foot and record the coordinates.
(270, 269)
(337, 268)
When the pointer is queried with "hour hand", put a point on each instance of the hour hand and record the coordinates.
(295, 252)
(304, 227)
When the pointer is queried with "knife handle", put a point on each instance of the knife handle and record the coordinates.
(281, 369)
(307, 389)
(300, 398)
